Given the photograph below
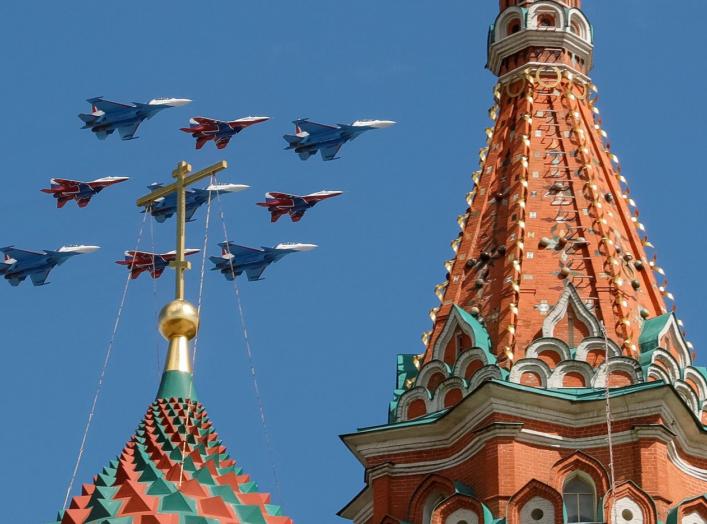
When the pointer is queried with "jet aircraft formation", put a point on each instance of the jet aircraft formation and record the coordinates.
(107, 116)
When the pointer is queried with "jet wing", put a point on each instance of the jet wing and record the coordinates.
(127, 132)
(329, 152)
(206, 121)
(21, 254)
(237, 250)
(190, 212)
(65, 182)
(107, 106)
(253, 273)
(275, 214)
(39, 278)
(222, 141)
(314, 127)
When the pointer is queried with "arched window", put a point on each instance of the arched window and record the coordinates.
(579, 498)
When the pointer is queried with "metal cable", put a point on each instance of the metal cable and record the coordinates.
(251, 360)
(607, 399)
(102, 374)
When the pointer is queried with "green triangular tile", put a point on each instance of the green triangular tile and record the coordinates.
(249, 514)
(160, 487)
(225, 492)
(176, 502)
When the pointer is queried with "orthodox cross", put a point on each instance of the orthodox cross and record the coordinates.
(182, 182)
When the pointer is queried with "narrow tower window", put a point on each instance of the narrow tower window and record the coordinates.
(579, 499)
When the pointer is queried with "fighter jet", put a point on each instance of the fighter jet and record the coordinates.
(138, 262)
(107, 116)
(282, 203)
(220, 131)
(165, 207)
(20, 264)
(64, 190)
(235, 259)
(311, 137)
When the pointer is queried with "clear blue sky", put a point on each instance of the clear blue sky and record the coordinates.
(325, 326)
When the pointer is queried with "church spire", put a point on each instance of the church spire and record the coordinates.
(548, 210)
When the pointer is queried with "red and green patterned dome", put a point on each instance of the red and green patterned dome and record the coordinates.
(174, 470)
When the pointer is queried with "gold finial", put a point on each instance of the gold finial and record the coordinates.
(179, 320)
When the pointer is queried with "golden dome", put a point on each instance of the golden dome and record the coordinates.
(179, 318)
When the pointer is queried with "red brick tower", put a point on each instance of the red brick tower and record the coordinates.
(552, 323)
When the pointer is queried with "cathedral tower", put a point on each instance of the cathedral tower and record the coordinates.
(556, 384)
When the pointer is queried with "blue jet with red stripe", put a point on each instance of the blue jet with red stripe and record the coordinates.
(164, 207)
(106, 116)
(311, 137)
(236, 259)
(18, 264)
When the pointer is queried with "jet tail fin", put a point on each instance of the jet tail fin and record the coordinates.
(87, 118)
(292, 139)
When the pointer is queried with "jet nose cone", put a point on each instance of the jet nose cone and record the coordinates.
(296, 246)
(79, 249)
(179, 102)
(380, 124)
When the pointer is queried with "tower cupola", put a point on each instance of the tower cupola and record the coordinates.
(540, 33)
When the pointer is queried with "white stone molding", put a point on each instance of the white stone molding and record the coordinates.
(486, 373)
(570, 366)
(621, 364)
(689, 396)
(570, 298)
(692, 518)
(453, 322)
(625, 507)
(466, 358)
(669, 364)
(429, 369)
(555, 345)
(671, 328)
(590, 343)
(444, 388)
(533, 365)
(408, 397)
(543, 506)
(547, 7)
(577, 19)
(696, 377)
(658, 373)
(505, 18)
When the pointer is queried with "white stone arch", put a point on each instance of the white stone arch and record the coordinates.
(408, 397)
(537, 507)
(429, 369)
(444, 388)
(576, 19)
(546, 7)
(668, 362)
(621, 364)
(542, 344)
(658, 373)
(486, 373)
(591, 343)
(628, 512)
(570, 298)
(688, 395)
(462, 515)
(696, 377)
(570, 366)
(692, 518)
(671, 328)
(466, 358)
(533, 365)
(450, 327)
(504, 19)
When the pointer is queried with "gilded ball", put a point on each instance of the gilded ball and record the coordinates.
(179, 318)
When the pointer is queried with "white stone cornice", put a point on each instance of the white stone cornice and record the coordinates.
(551, 39)
(661, 401)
